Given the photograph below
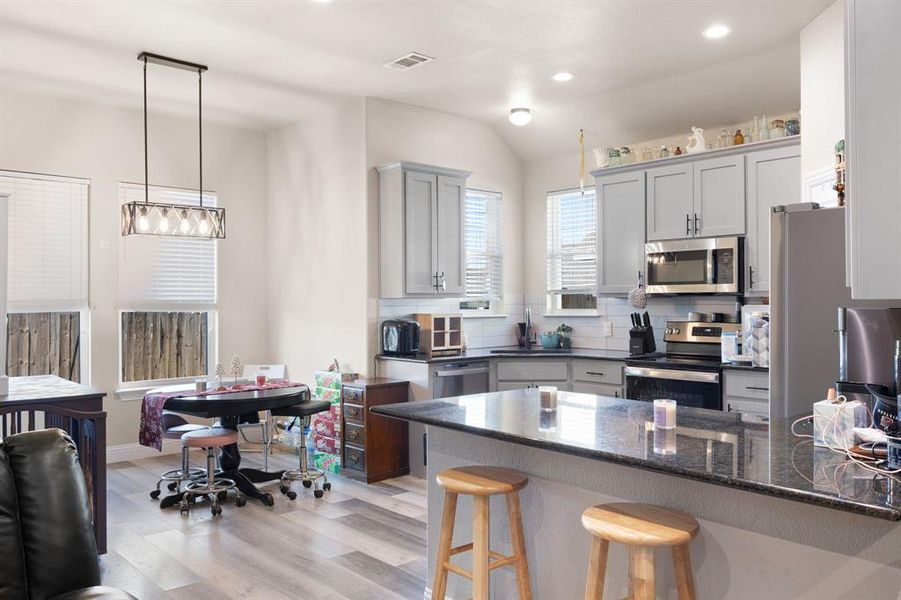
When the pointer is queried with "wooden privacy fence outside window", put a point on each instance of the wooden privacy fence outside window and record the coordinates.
(44, 343)
(163, 345)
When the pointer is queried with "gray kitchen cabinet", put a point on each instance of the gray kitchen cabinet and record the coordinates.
(873, 131)
(747, 392)
(621, 218)
(719, 197)
(421, 231)
(599, 389)
(670, 202)
(516, 374)
(773, 179)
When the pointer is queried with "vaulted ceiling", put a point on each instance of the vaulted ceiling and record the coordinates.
(642, 69)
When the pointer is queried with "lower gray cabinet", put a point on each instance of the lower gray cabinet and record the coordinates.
(599, 389)
(747, 392)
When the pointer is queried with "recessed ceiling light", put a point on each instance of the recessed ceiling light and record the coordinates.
(562, 76)
(520, 116)
(715, 32)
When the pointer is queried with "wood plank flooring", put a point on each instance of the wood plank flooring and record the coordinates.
(359, 542)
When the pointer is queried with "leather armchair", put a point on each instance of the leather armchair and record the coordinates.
(47, 545)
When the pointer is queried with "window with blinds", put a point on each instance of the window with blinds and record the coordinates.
(48, 242)
(167, 288)
(47, 273)
(572, 238)
(484, 246)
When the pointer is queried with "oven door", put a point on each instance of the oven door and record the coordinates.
(699, 389)
(704, 266)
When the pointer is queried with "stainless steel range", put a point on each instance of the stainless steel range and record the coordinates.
(691, 370)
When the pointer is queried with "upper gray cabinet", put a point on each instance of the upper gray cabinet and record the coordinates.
(670, 200)
(421, 221)
(621, 218)
(873, 131)
(774, 178)
(696, 199)
(719, 196)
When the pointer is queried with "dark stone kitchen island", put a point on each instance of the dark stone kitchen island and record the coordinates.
(778, 516)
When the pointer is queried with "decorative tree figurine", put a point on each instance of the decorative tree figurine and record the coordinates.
(220, 372)
(236, 367)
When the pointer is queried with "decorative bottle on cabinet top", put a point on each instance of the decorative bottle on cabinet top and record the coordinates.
(738, 138)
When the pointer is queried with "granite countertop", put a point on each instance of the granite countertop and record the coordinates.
(513, 352)
(709, 446)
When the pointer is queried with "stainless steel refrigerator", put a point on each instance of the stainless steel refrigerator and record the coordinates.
(807, 285)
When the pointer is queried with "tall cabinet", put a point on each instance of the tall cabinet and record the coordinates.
(873, 143)
(773, 178)
(421, 230)
(621, 218)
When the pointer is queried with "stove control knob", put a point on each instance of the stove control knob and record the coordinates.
(668, 331)
(677, 331)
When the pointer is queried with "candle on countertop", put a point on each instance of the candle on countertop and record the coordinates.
(664, 414)
(548, 397)
(547, 421)
(200, 385)
(261, 379)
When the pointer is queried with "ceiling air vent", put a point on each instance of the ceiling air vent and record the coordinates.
(408, 61)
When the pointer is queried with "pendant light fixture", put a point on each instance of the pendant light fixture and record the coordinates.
(174, 220)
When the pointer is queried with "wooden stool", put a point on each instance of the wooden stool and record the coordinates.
(641, 527)
(481, 483)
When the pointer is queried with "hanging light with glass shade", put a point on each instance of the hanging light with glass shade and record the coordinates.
(174, 220)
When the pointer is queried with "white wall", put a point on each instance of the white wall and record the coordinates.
(822, 89)
(317, 245)
(75, 138)
(396, 132)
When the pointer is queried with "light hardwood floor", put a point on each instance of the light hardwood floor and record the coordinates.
(357, 543)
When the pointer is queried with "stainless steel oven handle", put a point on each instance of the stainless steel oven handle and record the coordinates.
(458, 372)
(700, 376)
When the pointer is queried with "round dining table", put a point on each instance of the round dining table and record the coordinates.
(233, 408)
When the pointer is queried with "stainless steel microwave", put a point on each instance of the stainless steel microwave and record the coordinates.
(698, 266)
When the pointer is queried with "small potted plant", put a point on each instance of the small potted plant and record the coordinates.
(566, 333)
(550, 340)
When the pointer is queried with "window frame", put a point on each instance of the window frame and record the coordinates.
(134, 390)
(495, 302)
(553, 298)
(84, 312)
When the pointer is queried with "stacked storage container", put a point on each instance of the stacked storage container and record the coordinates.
(325, 428)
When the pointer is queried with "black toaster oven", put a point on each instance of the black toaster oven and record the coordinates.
(400, 338)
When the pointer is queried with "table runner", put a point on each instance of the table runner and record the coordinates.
(151, 431)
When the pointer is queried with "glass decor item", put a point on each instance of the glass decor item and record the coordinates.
(738, 138)
(792, 127)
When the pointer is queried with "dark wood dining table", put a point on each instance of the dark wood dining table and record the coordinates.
(233, 409)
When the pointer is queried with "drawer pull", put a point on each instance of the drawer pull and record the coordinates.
(598, 373)
(759, 389)
(353, 434)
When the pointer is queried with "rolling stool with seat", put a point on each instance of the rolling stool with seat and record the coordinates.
(174, 426)
(214, 487)
(308, 477)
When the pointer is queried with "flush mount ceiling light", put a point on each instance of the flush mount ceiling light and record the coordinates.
(562, 76)
(716, 32)
(520, 116)
(174, 220)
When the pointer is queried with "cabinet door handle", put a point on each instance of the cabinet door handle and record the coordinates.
(435, 285)
(759, 389)
(696, 224)
(616, 393)
(687, 224)
(598, 373)
(750, 277)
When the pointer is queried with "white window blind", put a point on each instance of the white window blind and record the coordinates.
(483, 239)
(161, 272)
(48, 242)
(572, 236)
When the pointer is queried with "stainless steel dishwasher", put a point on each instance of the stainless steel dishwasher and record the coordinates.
(446, 380)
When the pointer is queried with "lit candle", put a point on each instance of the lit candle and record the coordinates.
(664, 414)
(548, 397)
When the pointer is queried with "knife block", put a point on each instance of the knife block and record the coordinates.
(641, 340)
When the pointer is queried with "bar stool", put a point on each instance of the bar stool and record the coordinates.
(481, 483)
(174, 426)
(641, 527)
(307, 476)
(212, 439)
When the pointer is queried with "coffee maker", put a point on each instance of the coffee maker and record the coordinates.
(641, 336)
